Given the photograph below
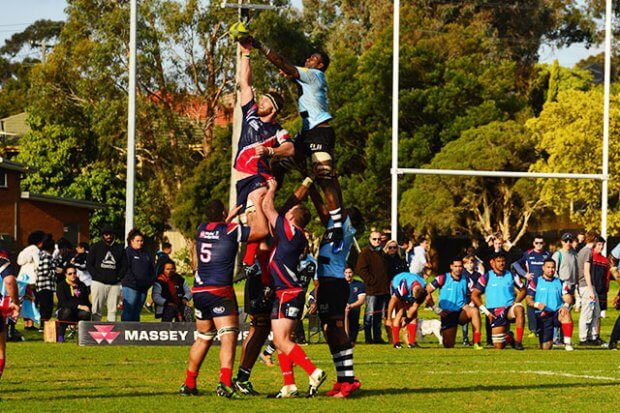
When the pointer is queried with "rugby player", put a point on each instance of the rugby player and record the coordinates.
(261, 140)
(332, 294)
(471, 274)
(290, 291)
(408, 292)
(9, 304)
(215, 302)
(258, 303)
(454, 306)
(317, 138)
(504, 306)
(551, 299)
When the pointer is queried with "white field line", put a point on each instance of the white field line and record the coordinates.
(539, 372)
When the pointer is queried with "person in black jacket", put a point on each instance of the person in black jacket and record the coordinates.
(139, 276)
(73, 303)
(171, 294)
(106, 264)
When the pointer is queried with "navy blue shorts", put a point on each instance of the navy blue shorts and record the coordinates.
(248, 185)
(450, 320)
(212, 302)
(288, 304)
(501, 317)
(332, 297)
(253, 302)
(318, 139)
(545, 325)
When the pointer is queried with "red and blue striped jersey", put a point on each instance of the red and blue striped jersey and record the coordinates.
(287, 254)
(216, 249)
(255, 132)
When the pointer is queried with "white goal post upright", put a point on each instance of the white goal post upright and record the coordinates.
(395, 171)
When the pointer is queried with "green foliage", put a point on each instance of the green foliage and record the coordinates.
(470, 204)
(569, 135)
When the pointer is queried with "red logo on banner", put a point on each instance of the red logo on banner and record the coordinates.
(104, 333)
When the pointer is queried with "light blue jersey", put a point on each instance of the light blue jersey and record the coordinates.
(548, 292)
(313, 102)
(499, 290)
(333, 264)
(453, 293)
(403, 283)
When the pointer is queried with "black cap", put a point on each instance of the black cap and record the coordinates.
(107, 229)
(567, 236)
(498, 254)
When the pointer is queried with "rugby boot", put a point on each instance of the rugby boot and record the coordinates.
(347, 389)
(223, 390)
(316, 379)
(185, 390)
(286, 392)
(334, 390)
(245, 388)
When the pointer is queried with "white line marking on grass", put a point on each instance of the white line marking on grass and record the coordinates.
(540, 372)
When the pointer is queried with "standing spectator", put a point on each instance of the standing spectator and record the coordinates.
(600, 279)
(530, 267)
(46, 281)
(419, 262)
(79, 260)
(496, 243)
(566, 260)
(64, 253)
(357, 297)
(371, 268)
(106, 264)
(580, 241)
(73, 303)
(163, 257)
(171, 294)
(393, 259)
(28, 259)
(590, 309)
(138, 276)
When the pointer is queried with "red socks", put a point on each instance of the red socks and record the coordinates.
(1, 364)
(519, 337)
(190, 379)
(395, 334)
(412, 329)
(286, 366)
(476, 337)
(298, 356)
(226, 376)
(250, 253)
(567, 329)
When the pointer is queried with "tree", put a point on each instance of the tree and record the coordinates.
(569, 135)
(473, 205)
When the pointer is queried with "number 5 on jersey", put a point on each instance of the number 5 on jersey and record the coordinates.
(205, 252)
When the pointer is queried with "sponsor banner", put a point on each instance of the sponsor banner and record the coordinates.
(91, 333)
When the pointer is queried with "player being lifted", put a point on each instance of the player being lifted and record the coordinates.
(9, 304)
(504, 306)
(454, 306)
(215, 302)
(551, 299)
(290, 290)
(261, 139)
(317, 138)
(408, 292)
(333, 292)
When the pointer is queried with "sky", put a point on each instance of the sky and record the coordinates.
(17, 15)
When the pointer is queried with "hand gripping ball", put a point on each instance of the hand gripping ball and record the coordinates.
(238, 31)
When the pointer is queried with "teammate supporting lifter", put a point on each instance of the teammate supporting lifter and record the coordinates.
(262, 139)
(215, 302)
(317, 138)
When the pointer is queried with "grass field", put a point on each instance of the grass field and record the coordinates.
(65, 377)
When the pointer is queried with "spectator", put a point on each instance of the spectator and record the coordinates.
(590, 309)
(566, 260)
(64, 253)
(496, 243)
(530, 267)
(419, 262)
(28, 259)
(138, 276)
(171, 294)
(73, 303)
(580, 241)
(163, 257)
(79, 260)
(106, 264)
(600, 279)
(392, 258)
(357, 296)
(46, 281)
(471, 275)
(371, 268)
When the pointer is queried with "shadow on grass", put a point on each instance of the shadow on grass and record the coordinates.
(107, 395)
(477, 388)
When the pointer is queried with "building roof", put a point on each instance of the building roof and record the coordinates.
(13, 166)
(62, 201)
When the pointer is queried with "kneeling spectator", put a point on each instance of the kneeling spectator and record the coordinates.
(73, 303)
(171, 295)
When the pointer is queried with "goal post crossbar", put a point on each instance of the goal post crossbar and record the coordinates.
(500, 174)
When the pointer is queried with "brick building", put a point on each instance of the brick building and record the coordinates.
(24, 212)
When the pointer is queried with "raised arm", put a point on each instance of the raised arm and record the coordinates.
(279, 62)
(269, 207)
(245, 74)
(258, 227)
